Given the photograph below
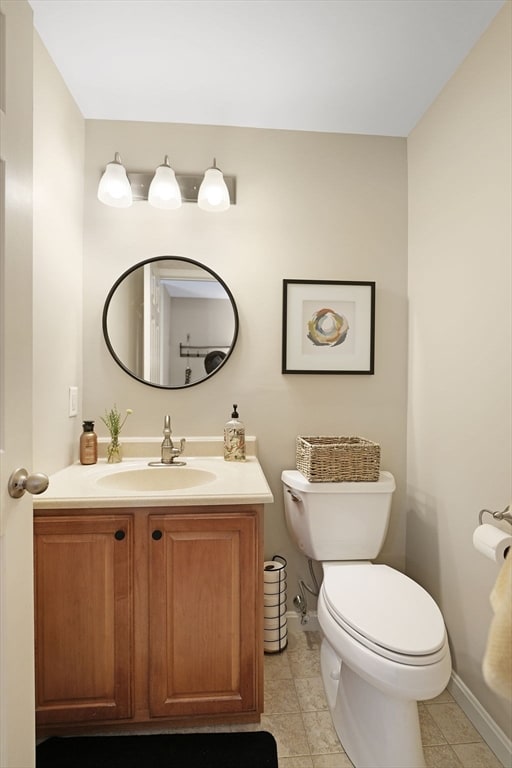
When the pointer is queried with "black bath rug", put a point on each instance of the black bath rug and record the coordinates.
(246, 749)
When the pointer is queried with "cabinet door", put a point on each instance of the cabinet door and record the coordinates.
(204, 614)
(83, 596)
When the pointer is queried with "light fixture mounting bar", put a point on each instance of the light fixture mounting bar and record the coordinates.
(188, 183)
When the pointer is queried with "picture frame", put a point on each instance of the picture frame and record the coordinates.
(328, 326)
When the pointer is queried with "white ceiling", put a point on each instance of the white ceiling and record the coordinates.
(347, 66)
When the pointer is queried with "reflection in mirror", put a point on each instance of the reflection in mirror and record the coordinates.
(170, 322)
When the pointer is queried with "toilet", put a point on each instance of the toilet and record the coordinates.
(384, 644)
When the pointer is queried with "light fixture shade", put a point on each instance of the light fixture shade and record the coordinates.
(213, 193)
(164, 191)
(114, 188)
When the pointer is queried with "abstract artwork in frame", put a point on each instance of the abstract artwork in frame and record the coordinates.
(328, 326)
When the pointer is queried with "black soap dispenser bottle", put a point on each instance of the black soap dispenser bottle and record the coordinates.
(234, 438)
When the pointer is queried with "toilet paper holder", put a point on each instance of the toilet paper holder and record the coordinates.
(505, 515)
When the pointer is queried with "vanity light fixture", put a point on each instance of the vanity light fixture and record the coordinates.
(166, 189)
(114, 188)
(213, 192)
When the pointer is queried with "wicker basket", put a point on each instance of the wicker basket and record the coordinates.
(338, 459)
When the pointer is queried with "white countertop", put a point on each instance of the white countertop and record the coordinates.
(235, 482)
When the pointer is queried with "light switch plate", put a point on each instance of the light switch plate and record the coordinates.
(73, 401)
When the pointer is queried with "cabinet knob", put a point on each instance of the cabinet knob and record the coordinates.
(157, 535)
(119, 535)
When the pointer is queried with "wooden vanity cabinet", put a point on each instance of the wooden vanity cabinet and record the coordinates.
(148, 614)
(202, 608)
(83, 617)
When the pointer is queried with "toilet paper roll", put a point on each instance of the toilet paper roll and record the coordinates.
(492, 542)
(276, 647)
(275, 577)
(271, 612)
(274, 589)
(270, 601)
(278, 623)
(273, 571)
(279, 617)
(271, 587)
(275, 635)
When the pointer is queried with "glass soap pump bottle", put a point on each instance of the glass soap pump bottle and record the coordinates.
(234, 438)
(88, 444)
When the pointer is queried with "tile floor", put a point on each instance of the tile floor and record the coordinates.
(296, 713)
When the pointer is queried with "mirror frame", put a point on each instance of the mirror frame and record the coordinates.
(151, 261)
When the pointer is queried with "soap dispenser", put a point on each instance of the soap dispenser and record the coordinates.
(88, 444)
(234, 438)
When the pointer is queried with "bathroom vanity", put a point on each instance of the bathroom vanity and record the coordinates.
(149, 602)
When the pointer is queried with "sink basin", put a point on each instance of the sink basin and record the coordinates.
(205, 480)
(146, 479)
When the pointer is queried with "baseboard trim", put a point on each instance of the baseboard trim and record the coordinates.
(491, 733)
(295, 624)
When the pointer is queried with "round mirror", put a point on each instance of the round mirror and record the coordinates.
(170, 322)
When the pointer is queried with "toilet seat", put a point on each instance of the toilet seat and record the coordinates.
(386, 611)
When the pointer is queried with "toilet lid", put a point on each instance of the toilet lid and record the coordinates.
(385, 607)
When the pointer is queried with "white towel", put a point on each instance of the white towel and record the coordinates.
(497, 664)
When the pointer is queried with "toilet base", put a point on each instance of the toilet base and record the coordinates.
(375, 729)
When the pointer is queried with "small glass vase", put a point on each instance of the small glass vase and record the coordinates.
(114, 451)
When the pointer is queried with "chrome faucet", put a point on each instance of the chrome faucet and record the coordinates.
(169, 451)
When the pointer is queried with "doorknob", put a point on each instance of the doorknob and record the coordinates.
(20, 481)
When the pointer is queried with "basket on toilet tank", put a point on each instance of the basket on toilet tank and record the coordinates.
(338, 459)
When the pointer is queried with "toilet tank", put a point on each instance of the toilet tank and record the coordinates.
(337, 521)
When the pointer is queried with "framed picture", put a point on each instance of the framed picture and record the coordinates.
(328, 326)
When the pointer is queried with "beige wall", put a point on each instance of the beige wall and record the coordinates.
(59, 131)
(310, 206)
(459, 419)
